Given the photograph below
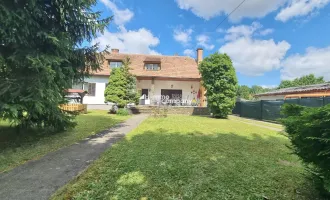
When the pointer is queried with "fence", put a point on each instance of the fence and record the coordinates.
(74, 107)
(270, 110)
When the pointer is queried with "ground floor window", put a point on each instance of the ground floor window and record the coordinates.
(90, 88)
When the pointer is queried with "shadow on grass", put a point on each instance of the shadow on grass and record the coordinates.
(168, 165)
(10, 138)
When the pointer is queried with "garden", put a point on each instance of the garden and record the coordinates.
(190, 157)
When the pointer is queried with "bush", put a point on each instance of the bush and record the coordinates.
(309, 132)
(122, 112)
(220, 81)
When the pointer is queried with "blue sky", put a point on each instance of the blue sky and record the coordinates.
(268, 41)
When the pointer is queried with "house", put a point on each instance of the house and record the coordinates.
(308, 91)
(159, 77)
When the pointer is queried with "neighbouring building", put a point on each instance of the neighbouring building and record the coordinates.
(308, 91)
(158, 76)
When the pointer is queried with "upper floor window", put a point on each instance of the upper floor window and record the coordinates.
(115, 64)
(152, 66)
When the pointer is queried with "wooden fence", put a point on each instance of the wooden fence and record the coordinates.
(74, 107)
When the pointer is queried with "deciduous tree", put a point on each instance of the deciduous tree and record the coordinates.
(304, 80)
(220, 82)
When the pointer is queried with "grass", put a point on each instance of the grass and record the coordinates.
(263, 123)
(15, 149)
(181, 157)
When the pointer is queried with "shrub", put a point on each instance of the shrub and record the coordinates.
(122, 112)
(220, 81)
(309, 132)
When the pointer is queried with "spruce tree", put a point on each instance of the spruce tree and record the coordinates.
(41, 55)
(122, 86)
(115, 92)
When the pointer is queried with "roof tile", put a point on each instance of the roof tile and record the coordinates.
(171, 66)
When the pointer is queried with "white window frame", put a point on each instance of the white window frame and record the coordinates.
(117, 64)
(152, 66)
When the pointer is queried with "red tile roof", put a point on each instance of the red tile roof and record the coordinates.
(75, 91)
(171, 66)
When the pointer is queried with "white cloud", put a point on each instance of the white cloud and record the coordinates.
(203, 40)
(266, 31)
(314, 61)
(182, 36)
(298, 8)
(208, 9)
(236, 32)
(189, 52)
(255, 57)
(121, 17)
(133, 41)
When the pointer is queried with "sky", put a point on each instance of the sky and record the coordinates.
(267, 40)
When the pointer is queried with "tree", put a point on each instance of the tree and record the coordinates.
(132, 95)
(256, 89)
(40, 56)
(244, 92)
(115, 92)
(220, 81)
(304, 80)
(308, 131)
(122, 86)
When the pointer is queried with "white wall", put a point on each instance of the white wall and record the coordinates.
(185, 86)
(99, 89)
(272, 97)
(101, 81)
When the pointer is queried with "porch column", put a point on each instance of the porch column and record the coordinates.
(152, 88)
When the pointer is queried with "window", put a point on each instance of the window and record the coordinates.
(115, 64)
(152, 66)
(90, 88)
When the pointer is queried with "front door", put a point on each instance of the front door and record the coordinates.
(145, 93)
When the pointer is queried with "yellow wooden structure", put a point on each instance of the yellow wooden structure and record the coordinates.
(82, 108)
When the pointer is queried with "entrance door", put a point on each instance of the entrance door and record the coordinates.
(173, 95)
(145, 92)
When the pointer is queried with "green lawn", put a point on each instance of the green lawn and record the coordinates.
(183, 157)
(263, 123)
(16, 149)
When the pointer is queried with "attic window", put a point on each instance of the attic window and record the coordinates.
(115, 64)
(152, 66)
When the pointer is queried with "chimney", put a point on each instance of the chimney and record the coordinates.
(199, 55)
(114, 51)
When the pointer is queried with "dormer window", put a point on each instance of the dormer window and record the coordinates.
(152, 66)
(115, 64)
(152, 63)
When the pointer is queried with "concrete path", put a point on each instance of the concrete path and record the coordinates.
(39, 179)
